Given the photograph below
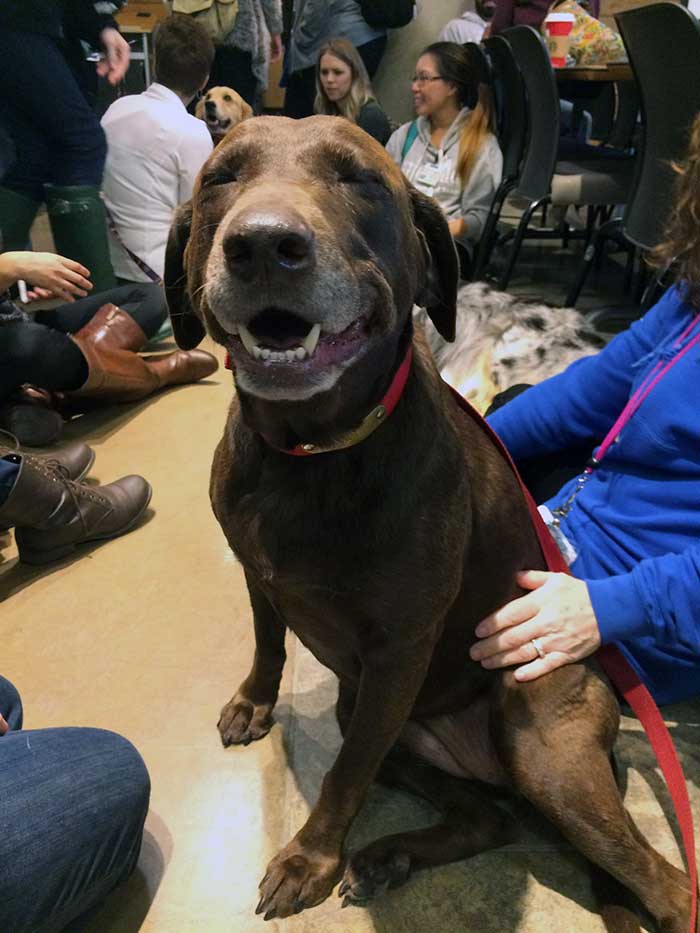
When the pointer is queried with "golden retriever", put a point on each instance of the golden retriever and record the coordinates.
(222, 108)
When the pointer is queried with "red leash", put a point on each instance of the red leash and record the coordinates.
(624, 678)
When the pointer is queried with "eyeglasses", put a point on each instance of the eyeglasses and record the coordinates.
(424, 79)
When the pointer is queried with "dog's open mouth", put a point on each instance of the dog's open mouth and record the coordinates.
(216, 125)
(277, 338)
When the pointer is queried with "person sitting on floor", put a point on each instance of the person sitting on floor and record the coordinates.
(155, 150)
(450, 151)
(343, 89)
(628, 524)
(72, 812)
(82, 350)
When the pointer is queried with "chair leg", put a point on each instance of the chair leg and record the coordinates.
(518, 242)
(487, 239)
(591, 254)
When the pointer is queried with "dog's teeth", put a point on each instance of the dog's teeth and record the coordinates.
(300, 353)
(312, 339)
(257, 352)
(291, 355)
(265, 353)
(247, 338)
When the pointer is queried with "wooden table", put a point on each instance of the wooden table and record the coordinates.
(141, 19)
(618, 72)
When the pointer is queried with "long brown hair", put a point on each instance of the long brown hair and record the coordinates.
(360, 88)
(681, 242)
(455, 67)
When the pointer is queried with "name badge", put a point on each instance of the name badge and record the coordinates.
(427, 178)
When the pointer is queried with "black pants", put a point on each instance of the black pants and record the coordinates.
(301, 86)
(234, 68)
(40, 352)
(544, 476)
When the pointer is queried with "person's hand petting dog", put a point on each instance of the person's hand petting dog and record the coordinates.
(115, 64)
(556, 613)
(49, 275)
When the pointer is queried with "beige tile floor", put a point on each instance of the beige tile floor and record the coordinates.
(150, 633)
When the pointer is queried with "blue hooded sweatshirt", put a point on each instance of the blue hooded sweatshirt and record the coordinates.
(636, 524)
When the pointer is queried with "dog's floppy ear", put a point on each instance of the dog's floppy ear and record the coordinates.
(438, 294)
(188, 329)
(199, 109)
(246, 110)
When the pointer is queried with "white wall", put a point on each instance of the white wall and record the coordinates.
(392, 82)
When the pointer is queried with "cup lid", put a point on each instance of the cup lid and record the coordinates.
(560, 18)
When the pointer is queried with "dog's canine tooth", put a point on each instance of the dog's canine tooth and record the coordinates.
(257, 352)
(312, 339)
(247, 338)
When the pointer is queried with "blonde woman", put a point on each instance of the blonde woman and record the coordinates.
(343, 89)
(450, 151)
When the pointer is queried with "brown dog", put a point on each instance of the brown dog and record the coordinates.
(222, 108)
(303, 252)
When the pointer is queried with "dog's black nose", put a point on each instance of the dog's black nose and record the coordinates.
(210, 107)
(269, 242)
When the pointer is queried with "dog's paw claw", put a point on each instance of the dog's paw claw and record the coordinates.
(259, 908)
(343, 889)
(271, 914)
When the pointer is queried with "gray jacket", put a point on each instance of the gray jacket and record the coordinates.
(256, 21)
(440, 178)
(318, 20)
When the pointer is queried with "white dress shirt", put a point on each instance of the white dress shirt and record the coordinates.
(155, 150)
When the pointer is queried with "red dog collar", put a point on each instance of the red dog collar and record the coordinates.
(368, 425)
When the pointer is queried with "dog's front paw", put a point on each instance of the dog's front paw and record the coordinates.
(371, 871)
(242, 721)
(297, 879)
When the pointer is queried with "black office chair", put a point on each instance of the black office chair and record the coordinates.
(511, 130)
(663, 46)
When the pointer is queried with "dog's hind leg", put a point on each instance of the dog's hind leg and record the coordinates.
(248, 714)
(555, 744)
(470, 824)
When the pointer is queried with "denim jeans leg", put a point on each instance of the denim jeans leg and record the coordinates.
(72, 810)
(58, 138)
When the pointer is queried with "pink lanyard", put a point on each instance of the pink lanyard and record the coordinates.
(652, 378)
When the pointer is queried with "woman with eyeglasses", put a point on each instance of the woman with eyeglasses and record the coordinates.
(343, 89)
(449, 151)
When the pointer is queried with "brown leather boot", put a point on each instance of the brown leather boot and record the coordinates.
(52, 515)
(73, 462)
(114, 329)
(119, 375)
(181, 366)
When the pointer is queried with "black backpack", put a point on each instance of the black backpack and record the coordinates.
(387, 14)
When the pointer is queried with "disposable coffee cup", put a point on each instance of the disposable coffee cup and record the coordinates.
(558, 28)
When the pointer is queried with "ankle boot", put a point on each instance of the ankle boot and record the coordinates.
(52, 515)
(73, 462)
(79, 228)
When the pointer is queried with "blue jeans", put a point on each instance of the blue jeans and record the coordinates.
(72, 808)
(56, 135)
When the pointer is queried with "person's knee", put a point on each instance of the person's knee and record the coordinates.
(10, 704)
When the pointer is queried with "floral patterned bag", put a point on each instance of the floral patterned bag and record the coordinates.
(592, 42)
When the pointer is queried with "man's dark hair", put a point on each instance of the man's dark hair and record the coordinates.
(183, 54)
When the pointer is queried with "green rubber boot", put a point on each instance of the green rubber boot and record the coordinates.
(79, 227)
(17, 213)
